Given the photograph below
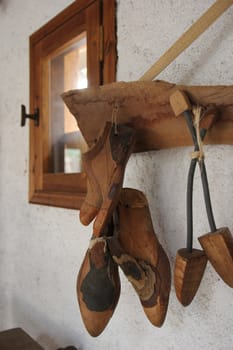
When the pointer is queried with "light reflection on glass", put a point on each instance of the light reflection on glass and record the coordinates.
(68, 70)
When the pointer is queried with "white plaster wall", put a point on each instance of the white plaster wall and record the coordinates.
(41, 248)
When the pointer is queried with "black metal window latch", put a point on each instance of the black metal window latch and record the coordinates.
(25, 116)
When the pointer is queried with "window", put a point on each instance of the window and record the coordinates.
(74, 50)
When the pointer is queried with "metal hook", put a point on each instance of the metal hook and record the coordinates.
(34, 116)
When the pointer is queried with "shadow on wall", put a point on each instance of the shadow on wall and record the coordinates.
(51, 335)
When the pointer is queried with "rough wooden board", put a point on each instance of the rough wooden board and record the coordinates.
(146, 106)
(17, 339)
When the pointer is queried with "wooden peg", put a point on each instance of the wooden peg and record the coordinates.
(218, 247)
(188, 273)
(180, 102)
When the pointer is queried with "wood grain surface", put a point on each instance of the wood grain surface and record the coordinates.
(146, 106)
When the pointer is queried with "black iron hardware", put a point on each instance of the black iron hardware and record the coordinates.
(34, 116)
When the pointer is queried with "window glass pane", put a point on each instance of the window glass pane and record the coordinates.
(67, 71)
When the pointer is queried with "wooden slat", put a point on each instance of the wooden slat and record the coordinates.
(58, 40)
(36, 137)
(58, 199)
(61, 18)
(65, 182)
(109, 45)
(93, 44)
(186, 39)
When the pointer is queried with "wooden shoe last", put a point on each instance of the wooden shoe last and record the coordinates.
(98, 287)
(218, 247)
(188, 273)
(104, 164)
(142, 258)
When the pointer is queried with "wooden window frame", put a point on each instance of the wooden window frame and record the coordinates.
(97, 18)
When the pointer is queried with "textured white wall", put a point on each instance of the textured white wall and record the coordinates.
(41, 248)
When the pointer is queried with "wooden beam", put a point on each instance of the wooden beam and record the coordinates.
(146, 106)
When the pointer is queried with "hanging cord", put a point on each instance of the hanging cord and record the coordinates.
(114, 117)
(201, 162)
(97, 240)
(198, 155)
(199, 152)
(189, 193)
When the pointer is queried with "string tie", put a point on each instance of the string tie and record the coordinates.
(197, 110)
(96, 240)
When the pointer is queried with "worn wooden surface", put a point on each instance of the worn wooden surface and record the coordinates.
(17, 339)
(98, 287)
(104, 165)
(138, 239)
(146, 106)
(188, 273)
(218, 247)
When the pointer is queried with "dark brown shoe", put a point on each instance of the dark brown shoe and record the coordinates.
(98, 287)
